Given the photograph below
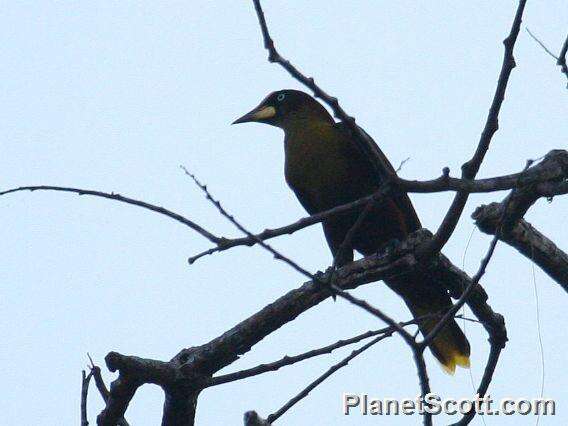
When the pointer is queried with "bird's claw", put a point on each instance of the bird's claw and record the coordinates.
(324, 278)
(390, 248)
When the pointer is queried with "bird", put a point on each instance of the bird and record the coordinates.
(326, 165)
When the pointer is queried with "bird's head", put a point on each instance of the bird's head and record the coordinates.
(286, 108)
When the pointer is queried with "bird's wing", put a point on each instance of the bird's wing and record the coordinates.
(382, 169)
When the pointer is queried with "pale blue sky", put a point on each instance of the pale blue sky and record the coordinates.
(116, 95)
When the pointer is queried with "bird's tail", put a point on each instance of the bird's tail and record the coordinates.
(450, 346)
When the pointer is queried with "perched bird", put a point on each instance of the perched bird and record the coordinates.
(326, 166)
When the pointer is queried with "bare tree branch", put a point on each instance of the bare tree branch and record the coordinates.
(555, 168)
(191, 369)
(120, 395)
(99, 382)
(456, 280)
(117, 197)
(194, 366)
(497, 344)
(183, 377)
(344, 362)
(348, 240)
(527, 240)
(86, 379)
(549, 173)
(228, 243)
(275, 57)
(290, 360)
(494, 353)
(480, 272)
(496, 340)
(418, 351)
(329, 284)
(134, 372)
(471, 167)
(562, 58)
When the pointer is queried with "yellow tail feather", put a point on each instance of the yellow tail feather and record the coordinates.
(456, 359)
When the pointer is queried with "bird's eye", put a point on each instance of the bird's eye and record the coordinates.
(280, 97)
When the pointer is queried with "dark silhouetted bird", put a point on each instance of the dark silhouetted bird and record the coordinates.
(326, 166)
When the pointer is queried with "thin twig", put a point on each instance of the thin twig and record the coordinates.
(541, 44)
(241, 228)
(302, 394)
(117, 197)
(560, 59)
(402, 163)
(228, 243)
(464, 318)
(347, 241)
(290, 360)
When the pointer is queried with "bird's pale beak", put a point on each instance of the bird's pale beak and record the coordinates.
(260, 113)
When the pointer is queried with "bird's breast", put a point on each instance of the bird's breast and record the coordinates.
(318, 171)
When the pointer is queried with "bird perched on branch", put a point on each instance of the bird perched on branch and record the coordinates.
(326, 165)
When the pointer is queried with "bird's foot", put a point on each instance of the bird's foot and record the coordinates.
(390, 248)
(324, 279)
